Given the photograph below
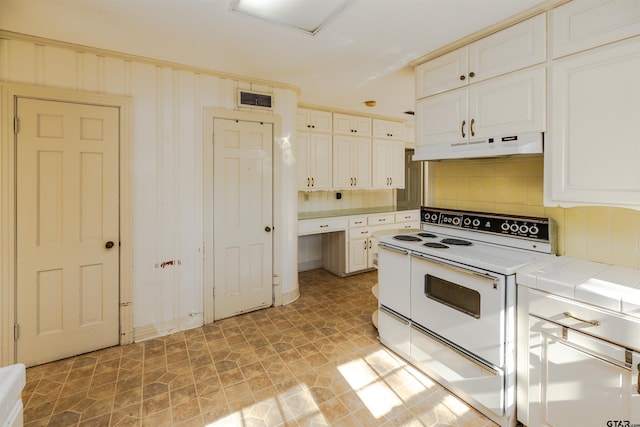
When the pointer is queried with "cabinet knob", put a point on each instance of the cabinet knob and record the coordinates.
(267, 229)
(472, 74)
(109, 245)
(462, 77)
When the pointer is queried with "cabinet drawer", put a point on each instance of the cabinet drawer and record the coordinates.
(608, 325)
(359, 221)
(381, 219)
(360, 233)
(322, 225)
(407, 216)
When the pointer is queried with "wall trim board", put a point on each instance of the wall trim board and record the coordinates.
(8, 93)
(156, 330)
(4, 34)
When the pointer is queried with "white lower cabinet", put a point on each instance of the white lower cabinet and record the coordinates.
(578, 380)
(360, 254)
(578, 365)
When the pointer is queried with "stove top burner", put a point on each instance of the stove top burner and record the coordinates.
(457, 242)
(406, 238)
(435, 245)
(427, 235)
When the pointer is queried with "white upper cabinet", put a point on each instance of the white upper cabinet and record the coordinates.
(314, 161)
(388, 129)
(511, 49)
(505, 105)
(346, 124)
(351, 162)
(388, 164)
(593, 148)
(585, 24)
(443, 73)
(314, 120)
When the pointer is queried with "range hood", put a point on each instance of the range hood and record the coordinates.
(510, 145)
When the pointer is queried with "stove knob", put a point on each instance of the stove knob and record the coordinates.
(524, 229)
(534, 230)
(514, 228)
(434, 217)
(456, 221)
(467, 221)
(505, 226)
(476, 222)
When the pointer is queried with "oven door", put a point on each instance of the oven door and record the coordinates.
(463, 305)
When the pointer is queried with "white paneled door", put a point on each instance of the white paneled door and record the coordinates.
(243, 218)
(67, 229)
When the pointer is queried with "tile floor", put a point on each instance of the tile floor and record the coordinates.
(311, 363)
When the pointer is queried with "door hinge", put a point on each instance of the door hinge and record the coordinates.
(16, 332)
(16, 125)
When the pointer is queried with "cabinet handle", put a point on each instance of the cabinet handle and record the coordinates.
(370, 244)
(591, 322)
(471, 127)
(365, 244)
(313, 182)
(390, 181)
(351, 181)
(355, 180)
(464, 122)
(638, 378)
(324, 226)
(462, 77)
(472, 74)
(308, 182)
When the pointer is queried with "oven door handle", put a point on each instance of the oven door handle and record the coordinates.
(461, 353)
(453, 267)
(393, 248)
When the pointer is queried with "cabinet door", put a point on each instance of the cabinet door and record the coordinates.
(442, 118)
(313, 120)
(594, 150)
(358, 255)
(313, 161)
(342, 171)
(319, 162)
(387, 129)
(508, 105)
(511, 49)
(361, 162)
(380, 165)
(443, 73)
(585, 24)
(303, 142)
(346, 124)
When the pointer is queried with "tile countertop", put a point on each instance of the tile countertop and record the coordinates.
(606, 286)
(349, 212)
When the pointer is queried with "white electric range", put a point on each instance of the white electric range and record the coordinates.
(447, 299)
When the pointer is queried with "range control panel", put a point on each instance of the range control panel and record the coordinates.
(515, 226)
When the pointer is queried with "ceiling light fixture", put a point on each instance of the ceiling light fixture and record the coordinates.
(371, 103)
(307, 16)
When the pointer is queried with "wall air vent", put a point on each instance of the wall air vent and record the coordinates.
(254, 99)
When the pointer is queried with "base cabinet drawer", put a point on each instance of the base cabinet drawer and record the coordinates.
(394, 331)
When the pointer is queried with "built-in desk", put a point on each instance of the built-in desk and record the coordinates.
(347, 243)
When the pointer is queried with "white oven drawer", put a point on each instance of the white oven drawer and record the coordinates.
(611, 326)
(394, 332)
(322, 225)
(458, 372)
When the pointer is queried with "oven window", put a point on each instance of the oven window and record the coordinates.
(456, 296)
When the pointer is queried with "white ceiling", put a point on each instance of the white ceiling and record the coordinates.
(362, 54)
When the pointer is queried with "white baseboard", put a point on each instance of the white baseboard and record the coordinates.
(143, 333)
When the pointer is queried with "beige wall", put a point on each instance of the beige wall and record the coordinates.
(515, 186)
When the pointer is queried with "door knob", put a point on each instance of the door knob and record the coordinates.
(109, 245)
(267, 229)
